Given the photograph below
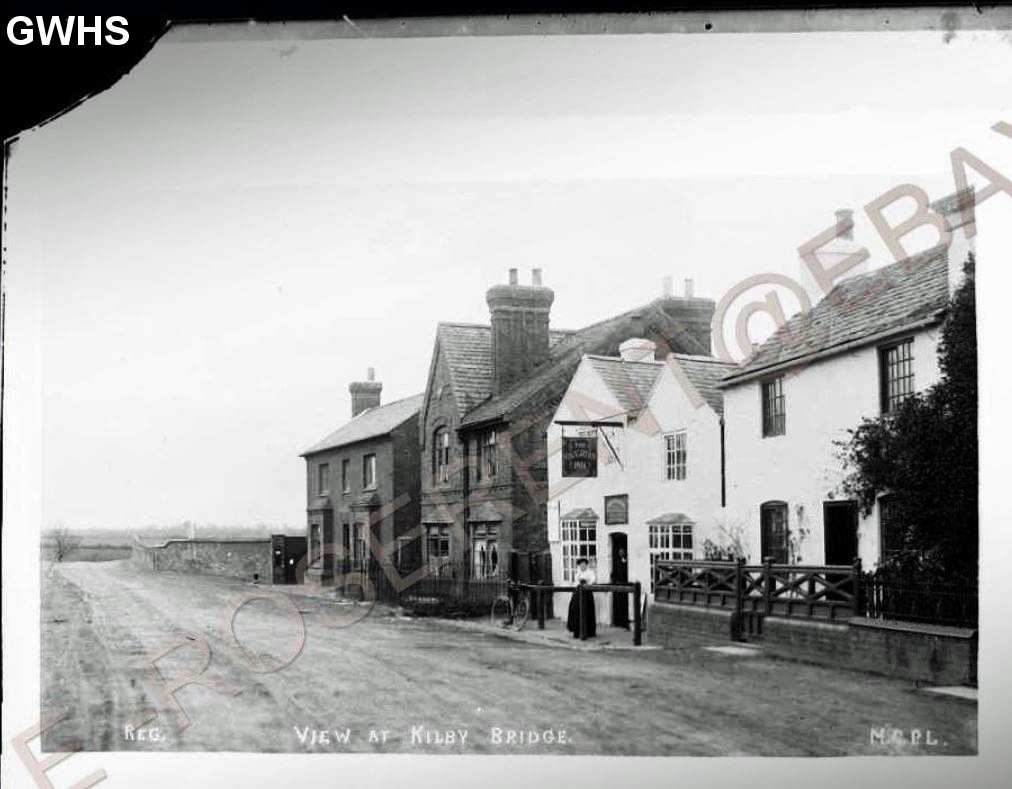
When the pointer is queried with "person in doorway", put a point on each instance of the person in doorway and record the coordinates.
(620, 600)
(581, 604)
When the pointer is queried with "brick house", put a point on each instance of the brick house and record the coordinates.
(490, 397)
(868, 345)
(362, 483)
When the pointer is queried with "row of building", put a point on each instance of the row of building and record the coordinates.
(627, 441)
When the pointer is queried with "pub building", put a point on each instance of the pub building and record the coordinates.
(635, 468)
(491, 393)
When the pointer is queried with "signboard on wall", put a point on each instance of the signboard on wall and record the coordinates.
(579, 456)
(616, 509)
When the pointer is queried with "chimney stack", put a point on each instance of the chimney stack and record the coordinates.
(958, 210)
(519, 317)
(833, 256)
(688, 288)
(667, 287)
(365, 394)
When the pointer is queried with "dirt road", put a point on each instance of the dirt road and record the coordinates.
(417, 680)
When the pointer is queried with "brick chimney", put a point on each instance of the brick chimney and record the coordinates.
(519, 317)
(365, 394)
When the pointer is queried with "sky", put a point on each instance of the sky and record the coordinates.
(238, 229)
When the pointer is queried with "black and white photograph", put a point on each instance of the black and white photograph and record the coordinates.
(493, 398)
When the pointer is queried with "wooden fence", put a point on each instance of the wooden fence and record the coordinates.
(540, 596)
(825, 592)
(446, 588)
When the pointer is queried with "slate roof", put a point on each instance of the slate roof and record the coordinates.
(630, 382)
(370, 424)
(705, 373)
(890, 298)
(468, 353)
(549, 381)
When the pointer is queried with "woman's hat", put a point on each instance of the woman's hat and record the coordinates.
(581, 560)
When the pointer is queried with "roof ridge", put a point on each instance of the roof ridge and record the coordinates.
(604, 358)
(387, 405)
(470, 325)
(696, 357)
(464, 324)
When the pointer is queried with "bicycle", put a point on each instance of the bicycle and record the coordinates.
(506, 613)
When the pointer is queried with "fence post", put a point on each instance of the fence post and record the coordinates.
(768, 585)
(738, 625)
(859, 601)
(637, 622)
(541, 607)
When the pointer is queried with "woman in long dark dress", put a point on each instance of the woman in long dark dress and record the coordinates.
(584, 577)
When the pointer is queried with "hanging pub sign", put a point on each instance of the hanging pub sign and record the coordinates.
(579, 456)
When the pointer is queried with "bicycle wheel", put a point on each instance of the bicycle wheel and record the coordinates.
(521, 612)
(502, 611)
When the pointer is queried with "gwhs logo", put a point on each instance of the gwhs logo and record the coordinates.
(112, 30)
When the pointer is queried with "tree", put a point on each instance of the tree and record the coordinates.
(925, 456)
(63, 541)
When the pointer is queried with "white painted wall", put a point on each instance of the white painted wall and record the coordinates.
(641, 475)
(822, 401)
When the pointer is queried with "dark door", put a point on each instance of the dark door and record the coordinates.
(619, 575)
(840, 529)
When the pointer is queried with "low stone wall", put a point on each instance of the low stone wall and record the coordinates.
(229, 558)
(922, 653)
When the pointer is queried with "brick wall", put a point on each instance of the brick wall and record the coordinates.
(803, 639)
(677, 626)
(926, 653)
(922, 653)
(228, 558)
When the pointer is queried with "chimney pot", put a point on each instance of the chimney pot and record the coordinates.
(688, 288)
(637, 349)
(370, 374)
(667, 287)
(513, 276)
(536, 277)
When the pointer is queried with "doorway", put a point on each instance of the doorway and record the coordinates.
(619, 575)
(839, 519)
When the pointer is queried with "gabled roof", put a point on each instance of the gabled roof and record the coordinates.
(467, 349)
(630, 382)
(902, 295)
(372, 423)
(705, 373)
(659, 320)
